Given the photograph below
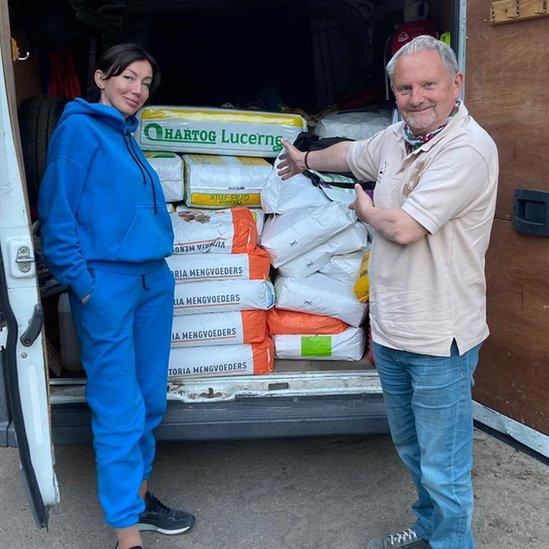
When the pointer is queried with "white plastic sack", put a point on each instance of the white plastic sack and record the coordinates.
(208, 360)
(344, 268)
(215, 231)
(296, 193)
(353, 125)
(321, 295)
(347, 241)
(200, 267)
(213, 181)
(216, 131)
(169, 168)
(348, 345)
(222, 295)
(230, 328)
(292, 234)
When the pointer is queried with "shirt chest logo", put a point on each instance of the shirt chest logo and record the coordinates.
(417, 172)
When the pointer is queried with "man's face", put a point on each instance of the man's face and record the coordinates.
(425, 90)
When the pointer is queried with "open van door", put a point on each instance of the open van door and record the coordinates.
(507, 91)
(22, 354)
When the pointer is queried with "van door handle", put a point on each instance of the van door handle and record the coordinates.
(28, 337)
(531, 212)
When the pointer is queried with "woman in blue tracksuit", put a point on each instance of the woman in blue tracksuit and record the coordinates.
(106, 232)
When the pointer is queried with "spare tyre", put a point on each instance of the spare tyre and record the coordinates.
(38, 117)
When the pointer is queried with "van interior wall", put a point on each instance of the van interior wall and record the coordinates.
(262, 56)
(306, 54)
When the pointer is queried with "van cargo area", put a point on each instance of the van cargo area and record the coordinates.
(310, 58)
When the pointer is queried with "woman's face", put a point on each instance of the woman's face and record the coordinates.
(128, 91)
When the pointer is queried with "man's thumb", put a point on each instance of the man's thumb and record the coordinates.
(360, 192)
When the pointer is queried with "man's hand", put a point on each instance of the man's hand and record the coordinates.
(395, 225)
(291, 161)
(362, 204)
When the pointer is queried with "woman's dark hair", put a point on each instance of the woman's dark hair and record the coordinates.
(117, 58)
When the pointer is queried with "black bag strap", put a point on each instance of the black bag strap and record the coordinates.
(308, 141)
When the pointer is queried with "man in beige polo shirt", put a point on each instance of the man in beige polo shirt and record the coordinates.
(432, 213)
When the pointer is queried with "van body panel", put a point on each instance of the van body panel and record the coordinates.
(246, 418)
(24, 363)
(507, 91)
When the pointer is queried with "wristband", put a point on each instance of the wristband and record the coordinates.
(305, 160)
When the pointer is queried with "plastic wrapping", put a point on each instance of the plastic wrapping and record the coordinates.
(347, 345)
(347, 241)
(319, 294)
(255, 358)
(216, 131)
(290, 235)
(222, 295)
(353, 125)
(229, 328)
(213, 181)
(169, 168)
(200, 267)
(216, 231)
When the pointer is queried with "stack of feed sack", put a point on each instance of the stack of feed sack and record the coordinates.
(210, 181)
(222, 293)
(217, 147)
(317, 246)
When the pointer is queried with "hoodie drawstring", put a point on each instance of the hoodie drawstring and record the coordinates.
(142, 168)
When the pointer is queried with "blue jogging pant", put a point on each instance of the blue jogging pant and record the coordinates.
(125, 332)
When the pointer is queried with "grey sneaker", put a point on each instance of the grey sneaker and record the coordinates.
(407, 538)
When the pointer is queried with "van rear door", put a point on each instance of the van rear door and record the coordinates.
(507, 91)
(21, 342)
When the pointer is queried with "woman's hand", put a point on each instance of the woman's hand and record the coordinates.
(291, 161)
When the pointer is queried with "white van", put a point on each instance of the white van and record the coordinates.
(308, 53)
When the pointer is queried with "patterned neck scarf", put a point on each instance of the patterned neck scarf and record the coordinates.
(415, 141)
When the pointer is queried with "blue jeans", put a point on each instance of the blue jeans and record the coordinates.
(429, 408)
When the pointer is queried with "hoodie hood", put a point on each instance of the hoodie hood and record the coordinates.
(106, 113)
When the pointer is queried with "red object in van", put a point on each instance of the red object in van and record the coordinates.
(408, 31)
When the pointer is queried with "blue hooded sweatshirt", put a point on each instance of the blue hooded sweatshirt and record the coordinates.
(100, 200)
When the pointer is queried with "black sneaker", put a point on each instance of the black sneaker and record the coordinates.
(407, 538)
(158, 517)
(134, 547)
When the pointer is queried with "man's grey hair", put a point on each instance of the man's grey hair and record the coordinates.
(422, 43)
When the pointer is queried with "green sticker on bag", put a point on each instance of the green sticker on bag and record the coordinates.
(318, 345)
